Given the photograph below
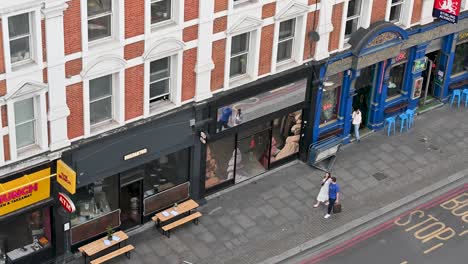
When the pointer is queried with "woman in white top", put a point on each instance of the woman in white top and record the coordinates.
(322, 197)
(357, 119)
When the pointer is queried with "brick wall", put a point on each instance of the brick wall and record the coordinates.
(220, 24)
(190, 33)
(268, 10)
(134, 18)
(188, 74)
(44, 47)
(217, 74)
(3, 89)
(75, 122)
(309, 48)
(190, 10)
(336, 21)
(72, 27)
(311, 2)
(4, 116)
(45, 75)
(73, 67)
(134, 50)
(220, 5)
(134, 85)
(2, 56)
(6, 147)
(266, 49)
(378, 10)
(417, 10)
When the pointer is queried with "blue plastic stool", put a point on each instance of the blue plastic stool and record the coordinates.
(403, 117)
(465, 92)
(410, 114)
(390, 121)
(456, 92)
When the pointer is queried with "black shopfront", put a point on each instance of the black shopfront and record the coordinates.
(124, 178)
(257, 127)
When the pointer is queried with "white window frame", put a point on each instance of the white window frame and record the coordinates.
(29, 35)
(111, 14)
(167, 26)
(117, 38)
(290, 38)
(357, 16)
(34, 120)
(112, 97)
(401, 3)
(169, 79)
(164, 22)
(247, 52)
(35, 46)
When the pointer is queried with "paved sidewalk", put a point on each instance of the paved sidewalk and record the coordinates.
(274, 213)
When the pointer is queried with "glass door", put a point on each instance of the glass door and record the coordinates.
(131, 204)
(362, 97)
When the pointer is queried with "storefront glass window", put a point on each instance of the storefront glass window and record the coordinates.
(166, 172)
(395, 82)
(95, 200)
(460, 60)
(261, 105)
(31, 231)
(331, 99)
(286, 134)
(220, 160)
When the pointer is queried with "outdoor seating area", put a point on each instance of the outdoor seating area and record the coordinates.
(174, 216)
(103, 244)
(458, 95)
(406, 120)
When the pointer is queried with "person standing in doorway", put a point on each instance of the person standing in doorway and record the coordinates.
(357, 119)
(333, 196)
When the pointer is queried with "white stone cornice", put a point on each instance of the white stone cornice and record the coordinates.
(12, 6)
(25, 88)
(163, 48)
(54, 8)
(246, 24)
(102, 65)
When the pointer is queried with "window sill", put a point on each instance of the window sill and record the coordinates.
(239, 80)
(328, 123)
(24, 66)
(395, 97)
(103, 127)
(103, 45)
(244, 3)
(161, 107)
(163, 25)
(28, 151)
(286, 64)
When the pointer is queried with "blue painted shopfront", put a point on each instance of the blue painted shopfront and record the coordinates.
(385, 73)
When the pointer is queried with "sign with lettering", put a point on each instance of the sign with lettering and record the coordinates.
(417, 88)
(24, 191)
(135, 154)
(419, 65)
(66, 177)
(447, 10)
(66, 202)
(382, 38)
(401, 57)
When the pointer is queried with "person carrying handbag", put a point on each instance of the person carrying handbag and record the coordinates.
(322, 196)
(333, 196)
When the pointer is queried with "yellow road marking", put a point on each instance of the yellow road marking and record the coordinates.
(464, 232)
(433, 248)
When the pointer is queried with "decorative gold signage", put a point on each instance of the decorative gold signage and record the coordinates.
(135, 154)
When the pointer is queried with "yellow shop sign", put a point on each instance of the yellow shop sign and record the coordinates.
(66, 177)
(24, 191)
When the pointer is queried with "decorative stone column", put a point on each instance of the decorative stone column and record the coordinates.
(204, 50)
(426, 14)
(324, 29)
(58, 109)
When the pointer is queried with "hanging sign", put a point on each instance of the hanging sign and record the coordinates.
(419, 65)
(66, 177)
(447, 10)
(66, 202)
(24, 191)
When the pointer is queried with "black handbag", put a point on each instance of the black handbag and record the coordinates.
(337, 208)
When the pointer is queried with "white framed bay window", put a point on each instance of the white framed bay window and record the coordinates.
(286, 38)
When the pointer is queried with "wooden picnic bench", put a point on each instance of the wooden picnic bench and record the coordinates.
(173, 212)
(125, 250)
(97, 246)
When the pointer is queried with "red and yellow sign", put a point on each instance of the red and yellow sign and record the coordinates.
(24, 191)
(66, 177)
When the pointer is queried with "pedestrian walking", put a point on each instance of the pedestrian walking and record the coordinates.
(333, 196)
(322, 196)
(357, 119)
(238, 118)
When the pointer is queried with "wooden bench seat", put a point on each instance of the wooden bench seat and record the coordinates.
(192, 217)
(396, 108)
(125, 250)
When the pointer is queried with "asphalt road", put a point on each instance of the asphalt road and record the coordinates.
(433, 233)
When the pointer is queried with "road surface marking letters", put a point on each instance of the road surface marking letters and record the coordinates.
(464, 232)
(433, 248)
(457, 203)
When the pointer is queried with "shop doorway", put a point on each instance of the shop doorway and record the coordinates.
(363, 93)
(429, 75)
(130, 204)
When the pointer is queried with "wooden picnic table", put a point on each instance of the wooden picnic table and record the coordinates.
(98, 245)
(182, 208)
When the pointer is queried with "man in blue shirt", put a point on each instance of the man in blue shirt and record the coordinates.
(224, 118)
(333, 196)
